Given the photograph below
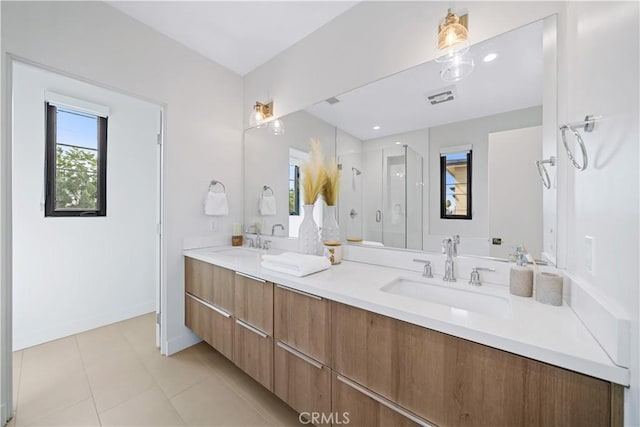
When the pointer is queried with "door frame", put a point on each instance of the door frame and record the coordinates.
(6, 231)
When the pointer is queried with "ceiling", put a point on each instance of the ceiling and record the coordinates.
(398, 103)
(240, 35)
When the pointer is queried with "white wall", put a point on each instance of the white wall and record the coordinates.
(604, 199)
(203, 122)
(515, 191)
(74, 274)
(474, 132)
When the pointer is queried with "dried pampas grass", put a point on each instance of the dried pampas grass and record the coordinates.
(314, 174)
(332, 183)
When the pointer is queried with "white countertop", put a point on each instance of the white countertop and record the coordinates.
(553, 335)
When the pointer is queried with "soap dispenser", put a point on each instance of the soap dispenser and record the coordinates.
(521, 276)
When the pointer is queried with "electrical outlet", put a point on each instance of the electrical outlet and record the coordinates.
(589, 253)
(213, 225)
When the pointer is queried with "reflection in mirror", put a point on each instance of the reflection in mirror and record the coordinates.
(274, 161)
(386, 128)
(455, 184)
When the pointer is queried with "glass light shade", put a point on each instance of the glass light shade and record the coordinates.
(453, 38)
(276, 127)
(459, 67)
(256, 119)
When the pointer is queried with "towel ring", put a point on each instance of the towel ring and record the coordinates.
(542, 170)
(588, 125)
(266, 187)
(214, 183)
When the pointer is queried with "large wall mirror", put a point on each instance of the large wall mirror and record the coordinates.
(423, 159)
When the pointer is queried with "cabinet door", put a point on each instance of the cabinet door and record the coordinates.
(213, 325)
(364, 408)
(198, 278)
(303, 321)
(254, 302)
(253, 353)
(451, 381)
(303, 383)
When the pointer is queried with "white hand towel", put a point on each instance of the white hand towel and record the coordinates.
(295, 264)
(216, 204)
(267, 205)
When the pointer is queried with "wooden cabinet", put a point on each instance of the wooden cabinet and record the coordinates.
(253, 353)
(254, 302)
(363, 408)
(213, 325)
(210, 283)
(303, 321)
(253, 346)
(451, 381)
(300, 381)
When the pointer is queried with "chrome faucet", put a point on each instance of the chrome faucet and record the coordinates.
(427, 272)
(450, 248)
(273, 229)
(258, 240)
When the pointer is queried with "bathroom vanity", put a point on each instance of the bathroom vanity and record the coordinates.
(336, 343)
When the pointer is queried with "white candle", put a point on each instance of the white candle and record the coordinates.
(237, 229)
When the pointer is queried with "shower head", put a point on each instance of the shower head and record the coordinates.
(356, 170)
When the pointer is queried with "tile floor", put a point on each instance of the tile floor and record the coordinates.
(115, 376)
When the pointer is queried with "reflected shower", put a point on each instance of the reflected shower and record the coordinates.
(355, 172)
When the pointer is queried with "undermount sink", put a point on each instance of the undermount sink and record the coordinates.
(453, 297)
(241, 252)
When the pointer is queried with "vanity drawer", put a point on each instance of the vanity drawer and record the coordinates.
(254, 302)
(367, 409)
(303, 321)
(213, 325)
(303, 383)
(253, 353)
(209, 282)
(451, 381)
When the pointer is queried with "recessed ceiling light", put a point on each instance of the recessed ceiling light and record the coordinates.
(376, 127)
(398, 143)
(490, 57)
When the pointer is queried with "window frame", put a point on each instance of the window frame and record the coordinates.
(51, 145)
(443, 188)
(296, 190)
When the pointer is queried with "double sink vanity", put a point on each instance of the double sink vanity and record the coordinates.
(383, 346)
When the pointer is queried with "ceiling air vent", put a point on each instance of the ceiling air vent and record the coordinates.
(445, 94)
(333, 100)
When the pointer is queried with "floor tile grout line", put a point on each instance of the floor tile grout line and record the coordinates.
(86, 375)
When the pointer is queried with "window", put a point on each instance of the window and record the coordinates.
(455, 185)
(294, 190)
(76, 163)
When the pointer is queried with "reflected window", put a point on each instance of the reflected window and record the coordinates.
(76, 163)
(294, 189)
(455, 185)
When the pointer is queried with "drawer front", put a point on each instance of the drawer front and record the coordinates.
(303, 321)
(254, 302)
(253, 353)
(364, 408)
(198, 278)
(210, 323)
(223, 288)
(303, 383)
(451, 381)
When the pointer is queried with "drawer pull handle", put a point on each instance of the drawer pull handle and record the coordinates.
(257, 279)
(299, 292)
(220, 311)
(299, 355)
(384, 402)
(251, 328)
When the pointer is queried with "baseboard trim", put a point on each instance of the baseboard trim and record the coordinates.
(177, 344)
(71, 327)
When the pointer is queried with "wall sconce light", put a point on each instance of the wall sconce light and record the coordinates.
(276, 127)
(453, 48)
(260, 113)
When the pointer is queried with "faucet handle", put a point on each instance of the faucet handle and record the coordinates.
(427, 272)
(475, 275)
(266, 244)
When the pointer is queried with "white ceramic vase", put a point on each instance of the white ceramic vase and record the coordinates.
(308, 236)
(330, 228)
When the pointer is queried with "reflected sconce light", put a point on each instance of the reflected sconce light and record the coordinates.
(260, 116)
(453, 48)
